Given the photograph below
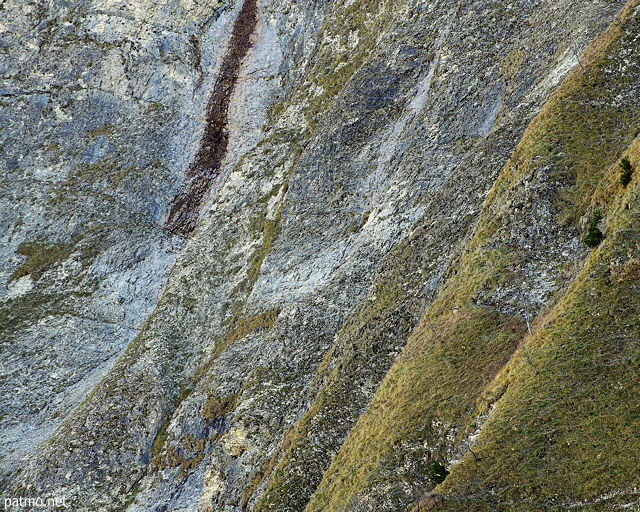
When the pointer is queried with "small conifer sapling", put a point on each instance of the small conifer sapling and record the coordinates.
(594, 236)
(626, 171)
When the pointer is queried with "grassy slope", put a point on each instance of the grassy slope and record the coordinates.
(567, 434)
(434, 393)
(570, 429)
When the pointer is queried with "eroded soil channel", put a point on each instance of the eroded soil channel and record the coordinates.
(186, 205)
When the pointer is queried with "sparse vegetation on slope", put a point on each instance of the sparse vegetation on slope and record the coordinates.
(566, 435)
(433, 396)
(322, 246)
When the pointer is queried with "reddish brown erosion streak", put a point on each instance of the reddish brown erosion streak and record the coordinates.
(185, 207)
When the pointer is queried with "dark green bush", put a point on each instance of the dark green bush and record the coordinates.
(594, 236)
(626, 171)
(438, 472)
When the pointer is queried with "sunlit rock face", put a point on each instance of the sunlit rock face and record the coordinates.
(222, 219)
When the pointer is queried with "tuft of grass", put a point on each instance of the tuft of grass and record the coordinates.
(41, 257)
(217, 406)
(245, 325)
(159, 442)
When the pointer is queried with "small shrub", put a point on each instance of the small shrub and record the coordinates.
(594, 236)
(626, 171)
(438, 472)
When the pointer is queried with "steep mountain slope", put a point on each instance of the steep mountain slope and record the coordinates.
(312, 179)
(554, 428)
(97, 109)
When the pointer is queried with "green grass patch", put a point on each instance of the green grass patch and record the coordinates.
(41, 257)
(217, 406)
(27, 309)
(245, 325)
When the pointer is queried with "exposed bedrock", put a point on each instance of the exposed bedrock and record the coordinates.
(230, 219)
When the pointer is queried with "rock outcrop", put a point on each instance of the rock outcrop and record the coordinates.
(319, 254)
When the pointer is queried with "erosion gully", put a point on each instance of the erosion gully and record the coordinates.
(184, 210)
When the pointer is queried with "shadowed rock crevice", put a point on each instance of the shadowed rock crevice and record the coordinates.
(185, 208)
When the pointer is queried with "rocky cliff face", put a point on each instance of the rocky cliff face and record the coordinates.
(319, 255)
